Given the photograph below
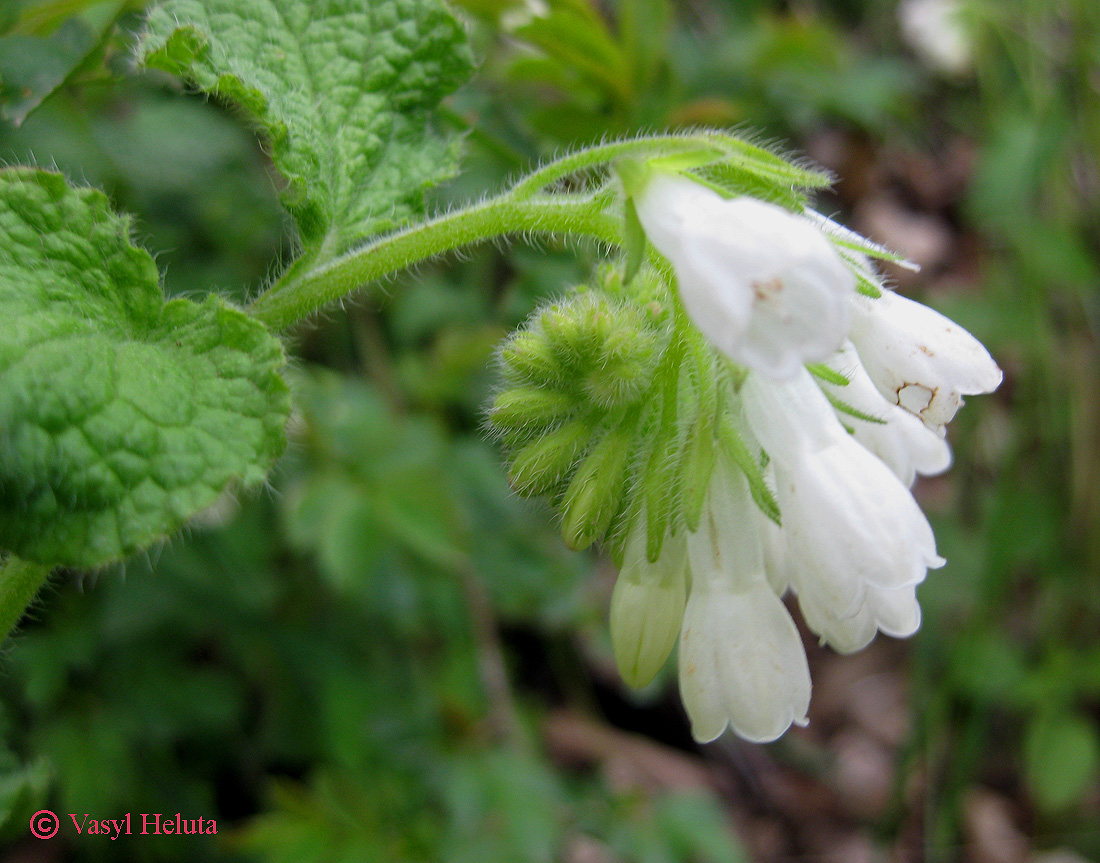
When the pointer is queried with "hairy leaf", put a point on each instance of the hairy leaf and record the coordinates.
(122, 414)
(343, 89)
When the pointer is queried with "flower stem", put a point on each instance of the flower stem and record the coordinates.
(302, 292)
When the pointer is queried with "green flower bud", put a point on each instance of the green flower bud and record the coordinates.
(526, 405)
(596, 490)
(539, 466)
(647, 606)
(528, 357)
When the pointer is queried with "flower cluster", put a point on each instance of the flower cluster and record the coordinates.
(840, 442)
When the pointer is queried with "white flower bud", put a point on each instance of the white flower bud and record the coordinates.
(763, 284)
(901, 440)
(920, 359)
(647, 605)
(742, 663)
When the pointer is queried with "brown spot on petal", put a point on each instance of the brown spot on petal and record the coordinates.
(766, 290)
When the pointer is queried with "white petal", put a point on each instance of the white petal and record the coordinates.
(893, 612)
(901, 440)
(742, 663)
(918, 358)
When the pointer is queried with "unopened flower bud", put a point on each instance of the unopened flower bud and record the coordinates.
(647, 605)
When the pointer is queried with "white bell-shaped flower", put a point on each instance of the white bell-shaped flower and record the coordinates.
(763, 284)
(900, 439)
(647, 605)
(854, 533)
(894, 612)
(920, 359)
(742, 663)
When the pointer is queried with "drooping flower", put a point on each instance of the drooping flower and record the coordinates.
(899, 438)
(918, 358)
(854, 534)
(763, 284)
(647, 605)
(742, 663)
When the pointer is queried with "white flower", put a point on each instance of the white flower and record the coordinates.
(920, 359)
(855, 536)
(763, 284)
(901, 440)
(647, 605)
(742, 663)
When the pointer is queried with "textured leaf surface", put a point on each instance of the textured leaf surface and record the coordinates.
(122, 414)
(344, 90)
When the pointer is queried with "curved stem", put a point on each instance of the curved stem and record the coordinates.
(601, 154)
(306, 292)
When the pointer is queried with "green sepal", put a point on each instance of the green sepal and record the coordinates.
(830, 376)
(737, 450)
(845, 408)
(853, 242)
(634, 240)
(865, 284)
(662, 469)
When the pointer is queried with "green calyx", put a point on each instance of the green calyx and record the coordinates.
(614, 407)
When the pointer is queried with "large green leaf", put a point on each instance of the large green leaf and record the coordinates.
(343, 89)
(122, 414)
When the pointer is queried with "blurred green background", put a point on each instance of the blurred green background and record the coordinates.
(388, 656)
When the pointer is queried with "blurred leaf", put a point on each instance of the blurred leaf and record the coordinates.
(1062, 757)
(37, 58)
(697, 829)
(22, 792)
(506, 807)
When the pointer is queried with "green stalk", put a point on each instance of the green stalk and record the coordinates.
(290, 301)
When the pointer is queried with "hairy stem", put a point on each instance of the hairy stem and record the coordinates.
(303, 293)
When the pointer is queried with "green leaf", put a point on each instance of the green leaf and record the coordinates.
(19, 582)
(123, 414)
(343, 89)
